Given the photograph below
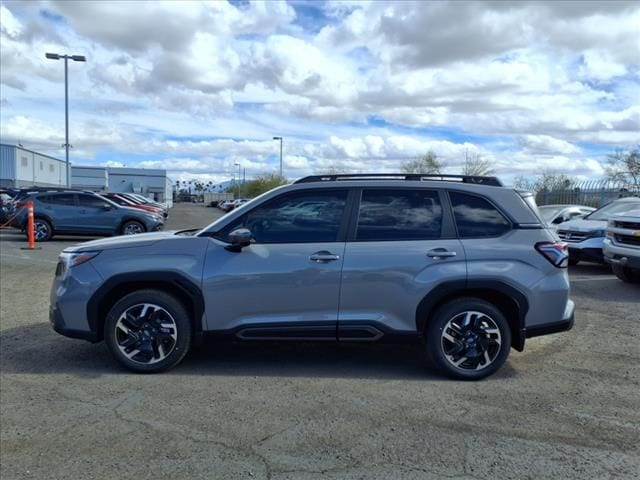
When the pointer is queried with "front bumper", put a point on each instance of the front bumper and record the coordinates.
(563, 325)
(589, 249)
(621, 255)
(59, 326)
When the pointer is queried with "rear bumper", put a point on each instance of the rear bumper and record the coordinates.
(563, 325)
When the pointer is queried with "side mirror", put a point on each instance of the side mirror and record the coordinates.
(558, 220)
(239, 239)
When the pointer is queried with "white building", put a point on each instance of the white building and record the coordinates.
(20, 167)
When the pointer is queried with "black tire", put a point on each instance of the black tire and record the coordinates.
(43, 231)
(148, 359)
(626, 274)
(495, 345)
(132, 227)
(573, 261)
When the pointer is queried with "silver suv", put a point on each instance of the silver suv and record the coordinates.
(461, 264)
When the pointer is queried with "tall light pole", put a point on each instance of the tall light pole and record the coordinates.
(238, 165)
(75, 58)
(280, 138)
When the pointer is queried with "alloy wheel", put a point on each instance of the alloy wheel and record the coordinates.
(146, 333)
(471, 340)
(41, 230)
(132, 229)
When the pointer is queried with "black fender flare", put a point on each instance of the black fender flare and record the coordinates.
(513, 300)
(171, 281)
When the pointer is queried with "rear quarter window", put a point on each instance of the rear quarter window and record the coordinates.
(476, 217)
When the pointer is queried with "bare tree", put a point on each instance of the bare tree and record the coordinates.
(475, 165)
(624, 166)
(427, 164)
(332, 170)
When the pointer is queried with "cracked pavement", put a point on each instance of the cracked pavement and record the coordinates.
(567, 407)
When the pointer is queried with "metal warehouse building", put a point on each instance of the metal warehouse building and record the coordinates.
(151, 183)
(20, 167)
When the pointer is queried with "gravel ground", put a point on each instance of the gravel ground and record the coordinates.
(567, 407)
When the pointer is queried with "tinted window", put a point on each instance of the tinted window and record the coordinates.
(295, 218)
(476, 217)
(399, 215)
(91, 201)
(62, 199)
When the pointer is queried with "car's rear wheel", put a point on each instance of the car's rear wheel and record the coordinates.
(148, 331)
(468, 339)
(42, 230)
(626, 274)
(132, 228)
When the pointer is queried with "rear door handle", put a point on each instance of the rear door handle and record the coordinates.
(438, 253)
(323, 256)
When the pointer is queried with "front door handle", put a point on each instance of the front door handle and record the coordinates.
(323, 256)
(438, 253)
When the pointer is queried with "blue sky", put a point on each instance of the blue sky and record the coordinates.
(196, 87)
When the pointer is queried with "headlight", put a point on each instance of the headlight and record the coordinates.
(597, 233)
(74, 259)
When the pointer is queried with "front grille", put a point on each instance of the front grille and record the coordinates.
(627, 225)
(573, 237)
(627, 240)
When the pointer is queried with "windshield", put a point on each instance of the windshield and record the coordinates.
(615, 208)
(549, 213)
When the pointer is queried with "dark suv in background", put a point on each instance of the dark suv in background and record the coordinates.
(82, 213)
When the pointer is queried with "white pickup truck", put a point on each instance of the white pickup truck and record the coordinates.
(622, 246)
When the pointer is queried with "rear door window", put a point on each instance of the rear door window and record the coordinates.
(476, 217)
(387, 215)
(67, 199)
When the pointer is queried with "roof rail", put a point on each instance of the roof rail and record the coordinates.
(419, 177)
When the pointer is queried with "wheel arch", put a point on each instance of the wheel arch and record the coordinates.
(43, 216)
(509, 300)
(171, 282)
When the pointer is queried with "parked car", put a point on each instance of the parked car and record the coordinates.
(125, 202)
(464, 268)
(586, 236)
(557, 214)
(5, 203)
(622, 246)
(236, 203)
(145, 201)
(229, 205)
(83, 213)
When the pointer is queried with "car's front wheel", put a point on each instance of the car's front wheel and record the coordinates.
(626, 274)
(468, 339)
(42, 230)
(132, 227)
(148, 331)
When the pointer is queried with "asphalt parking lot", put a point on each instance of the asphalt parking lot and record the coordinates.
(567, 407)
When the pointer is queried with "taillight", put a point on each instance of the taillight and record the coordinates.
(556, 252)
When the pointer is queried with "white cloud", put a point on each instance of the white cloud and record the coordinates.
(180, 84)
